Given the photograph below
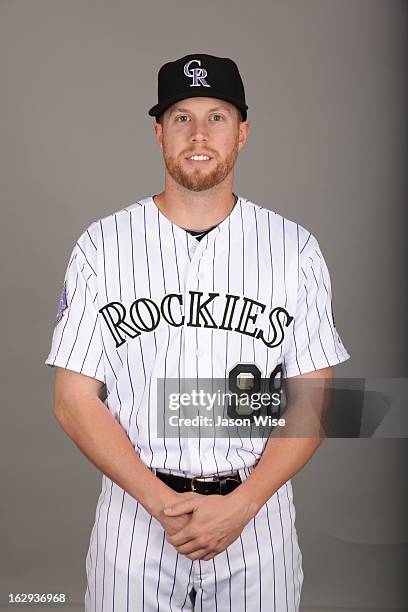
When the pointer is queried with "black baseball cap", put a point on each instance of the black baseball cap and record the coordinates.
(199, 75)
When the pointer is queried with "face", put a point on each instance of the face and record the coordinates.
(203, 126)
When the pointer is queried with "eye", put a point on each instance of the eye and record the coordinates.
(178, 117)
(218, 115)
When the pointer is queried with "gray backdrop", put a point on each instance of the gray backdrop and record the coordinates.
(326, 88)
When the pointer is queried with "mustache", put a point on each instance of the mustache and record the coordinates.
(209, 153)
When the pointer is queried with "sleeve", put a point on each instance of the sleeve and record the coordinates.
(77, 341)
(314, 342)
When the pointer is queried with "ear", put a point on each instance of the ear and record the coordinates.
(158, 130)
(244, 129)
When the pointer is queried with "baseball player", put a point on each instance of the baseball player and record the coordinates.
(196, 282)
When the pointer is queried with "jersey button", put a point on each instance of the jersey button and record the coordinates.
(199, 352)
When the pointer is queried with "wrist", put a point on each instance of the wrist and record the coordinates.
(160, 499)
(249, 502)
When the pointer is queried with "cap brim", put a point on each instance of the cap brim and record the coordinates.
(156, 110)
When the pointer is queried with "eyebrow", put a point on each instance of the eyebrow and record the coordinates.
(186, 110)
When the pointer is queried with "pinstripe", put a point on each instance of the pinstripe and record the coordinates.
(94, 530)
(80, 320)
(226, 341)
(320, 319)
(227, 335)
(197, 376)
(174, 581)
(327, 302)
(148, 421)
(118, 251)
(130, 557)
(243, 270)
(154, 333)
(132, 242)
(90, 238)
(97, 528)
(257, 254)
(107, 299)
(84, 255)
(144, 563)
(229, 580)
(243, 293)
(160, 564)
(106, 537)
(291, 542)
(259, 565)
(215, 585)
(245, 571)
(133, 402)
(116, 552)
(295, 345)
(283, 546)
(123, 494)
(168, 341)
(97, 365)
(307, 328)
(303, 247)
(196, 363)
(108, 358)
(145, 384)
(212, 351)
(273, 558)
(89, 344)
(243, 283)
(257, 281)
(104, 261)
(201, 587)
(140, 340)
(181, 337)
(187, 591)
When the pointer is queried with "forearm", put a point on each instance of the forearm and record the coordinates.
(104, 442)
(281, 459)
(289, 449)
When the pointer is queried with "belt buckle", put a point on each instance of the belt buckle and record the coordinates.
(203, 479)
(216, 478)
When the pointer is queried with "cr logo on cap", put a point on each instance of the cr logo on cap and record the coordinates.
(197, 74)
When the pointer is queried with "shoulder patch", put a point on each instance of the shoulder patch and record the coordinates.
(62, 304)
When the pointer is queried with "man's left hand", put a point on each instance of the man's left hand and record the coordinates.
(216, 522)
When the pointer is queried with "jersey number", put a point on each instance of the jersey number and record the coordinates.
(244, 381)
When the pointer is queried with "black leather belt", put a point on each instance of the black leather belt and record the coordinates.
(218, 485)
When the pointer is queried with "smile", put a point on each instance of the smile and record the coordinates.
(199, 158)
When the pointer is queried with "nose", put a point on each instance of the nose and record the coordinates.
(199, 130)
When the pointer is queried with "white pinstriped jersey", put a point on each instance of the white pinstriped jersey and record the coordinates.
(144, 299)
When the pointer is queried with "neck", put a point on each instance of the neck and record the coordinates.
(196, 209)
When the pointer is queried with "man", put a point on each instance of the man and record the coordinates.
(195, 282)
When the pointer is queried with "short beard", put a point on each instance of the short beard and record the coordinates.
(199, 180)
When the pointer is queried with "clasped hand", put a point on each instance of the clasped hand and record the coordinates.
(202, 526)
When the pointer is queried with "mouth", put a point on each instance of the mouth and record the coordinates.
(199, 159)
